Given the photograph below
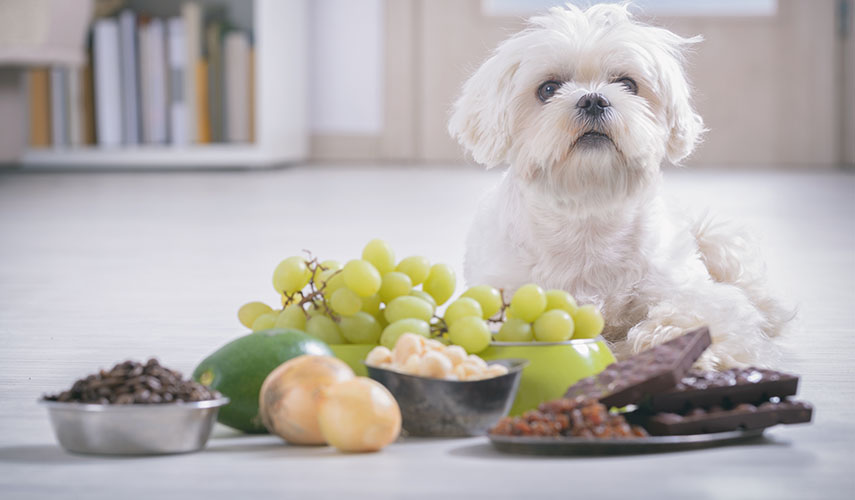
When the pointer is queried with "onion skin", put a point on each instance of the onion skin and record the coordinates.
(359, 415)
(289, 398)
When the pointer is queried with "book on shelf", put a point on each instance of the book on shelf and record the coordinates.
(39, 101)
(178, 109)
(251, 99)
(214, 51)
(236, 69)
(130, 94)
(108, 99)
(203, 115)
(150, 80)
(74, 96)
(153, 43)
(59, 107)
(191, 15)
(88, 98)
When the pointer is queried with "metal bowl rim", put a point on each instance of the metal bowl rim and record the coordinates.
(104, 408)
(496, 343)
(517, 366)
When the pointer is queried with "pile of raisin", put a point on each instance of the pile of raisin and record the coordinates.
(577, 417)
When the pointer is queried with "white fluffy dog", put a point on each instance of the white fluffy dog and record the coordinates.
(585, 105)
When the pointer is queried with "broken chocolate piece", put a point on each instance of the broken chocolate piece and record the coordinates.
(655, 370)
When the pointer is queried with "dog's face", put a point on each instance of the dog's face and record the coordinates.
(586, 103)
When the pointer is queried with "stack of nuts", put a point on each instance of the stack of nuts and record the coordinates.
(416, 355)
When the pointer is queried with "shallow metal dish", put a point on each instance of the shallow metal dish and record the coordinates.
(135, 429)
(451, 408)
(533, 445)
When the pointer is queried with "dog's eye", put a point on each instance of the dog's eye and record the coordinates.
(547, 90)
(629, 83)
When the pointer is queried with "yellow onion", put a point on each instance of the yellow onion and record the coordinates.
(288, 400)
(359, 415)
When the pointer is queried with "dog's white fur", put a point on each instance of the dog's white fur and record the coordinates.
(589, 218)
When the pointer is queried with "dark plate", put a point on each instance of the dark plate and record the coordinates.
(529, 445)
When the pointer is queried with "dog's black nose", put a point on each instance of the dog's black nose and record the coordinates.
(593, 104)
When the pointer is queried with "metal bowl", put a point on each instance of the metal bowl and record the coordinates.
(134, 429)
(451, 408)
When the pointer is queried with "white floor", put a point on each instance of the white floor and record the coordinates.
(101, 267)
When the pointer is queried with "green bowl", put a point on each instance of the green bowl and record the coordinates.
(353, 355)
(553, 366)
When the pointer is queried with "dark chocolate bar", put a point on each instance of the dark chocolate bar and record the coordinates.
(655, 370)
(744, 416)
(703, 389)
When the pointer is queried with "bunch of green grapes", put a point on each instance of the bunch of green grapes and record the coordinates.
(365, 301)
(376, 300)
(548, 316)
(532, 315)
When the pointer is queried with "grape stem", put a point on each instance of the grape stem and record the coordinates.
(499, 317)
(315, 295)
(438, 327)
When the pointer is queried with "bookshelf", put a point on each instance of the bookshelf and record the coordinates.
(280, 37)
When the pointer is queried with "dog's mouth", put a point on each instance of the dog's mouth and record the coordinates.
(593, 137)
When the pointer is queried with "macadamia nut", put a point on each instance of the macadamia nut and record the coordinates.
(379, 356)
(434, 364)
(408, 345)
(415, 355)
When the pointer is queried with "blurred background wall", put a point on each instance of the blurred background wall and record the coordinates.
(774, 79)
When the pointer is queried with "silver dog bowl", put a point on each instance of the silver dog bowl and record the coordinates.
(451, 408)
(133, 429)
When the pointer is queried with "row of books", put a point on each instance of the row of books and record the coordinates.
(182, 80)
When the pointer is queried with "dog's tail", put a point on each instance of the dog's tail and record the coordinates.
(731, 256)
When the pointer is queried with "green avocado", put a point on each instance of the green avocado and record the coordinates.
(239, 368)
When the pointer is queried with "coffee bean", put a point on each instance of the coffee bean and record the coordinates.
(135, 383)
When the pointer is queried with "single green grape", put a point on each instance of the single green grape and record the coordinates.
(315, 309)
(393, 332)
(553, 326)
(560, 299)
(408, 306)
(265, 321)
(333, 282)
(528, 302)
(361, 277)
(489, 298)
(515, 330)
(325, 329)
(323, 275)
(416, 267)
(291, 275)
(394, 285)
(440, 283)
(345, 302)
(292, 316)
(331, 265)
(371, 304)
(380, 255)
(249, 312)
(461, 308)
(470, 333)
(361, 328)
(381, 318)
(589, 322)
(425, 297)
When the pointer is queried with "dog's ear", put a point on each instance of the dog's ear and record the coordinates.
(685, 125)
(480, 119)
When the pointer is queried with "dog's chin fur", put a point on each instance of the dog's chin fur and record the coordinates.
(579, 208)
